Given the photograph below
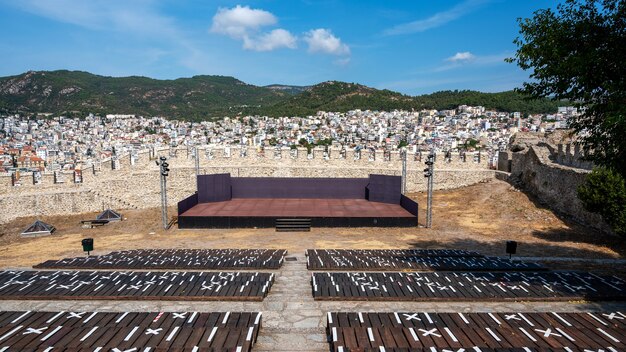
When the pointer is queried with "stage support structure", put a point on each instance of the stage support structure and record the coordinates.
(429, 173)
(403, 155)
(197, 161)
(164, 171)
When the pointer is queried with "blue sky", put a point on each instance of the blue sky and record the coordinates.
(413, 47)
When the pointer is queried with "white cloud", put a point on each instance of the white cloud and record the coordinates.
(245, 24)
(323, 41)
(240, 21)
(278, 38)
(436, 20)
(460, 57)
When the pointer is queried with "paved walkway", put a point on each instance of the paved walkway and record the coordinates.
(292, 320)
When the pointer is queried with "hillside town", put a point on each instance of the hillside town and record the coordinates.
(59, 143)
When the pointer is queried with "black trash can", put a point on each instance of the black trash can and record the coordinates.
(87, 245)
(511, 247)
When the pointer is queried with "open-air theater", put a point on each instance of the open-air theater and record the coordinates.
(222, 201)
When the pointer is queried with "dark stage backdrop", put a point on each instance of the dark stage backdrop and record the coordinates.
(300, 187)
(214, 188)
(384, 189)
(222, 187)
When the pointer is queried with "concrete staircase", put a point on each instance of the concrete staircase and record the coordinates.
(293, 225)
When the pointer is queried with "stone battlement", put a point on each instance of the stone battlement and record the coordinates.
(132, 180)
(571, 154)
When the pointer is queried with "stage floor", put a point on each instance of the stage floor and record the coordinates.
(298, 207)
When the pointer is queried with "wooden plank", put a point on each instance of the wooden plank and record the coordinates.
(72, 331)
(392, 260)
(134, 285)
(198, 259)
(450, 286)
(467, 331)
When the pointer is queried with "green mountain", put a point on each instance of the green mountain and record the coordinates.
(198, 97)
(207, 97)
(508, 101)
(338, 96)
(293, 90)
(341, 96)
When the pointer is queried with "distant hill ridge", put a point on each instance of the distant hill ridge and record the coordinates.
(207, 97)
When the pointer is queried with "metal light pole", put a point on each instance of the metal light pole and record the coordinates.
(429, 173)
(197, 156)
(403, 154)
(164, 171)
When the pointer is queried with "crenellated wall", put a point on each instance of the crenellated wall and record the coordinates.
(571, 154)
(132, 181)
(552, 183)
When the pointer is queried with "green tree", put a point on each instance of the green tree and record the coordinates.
(576, 52)
(604, 192)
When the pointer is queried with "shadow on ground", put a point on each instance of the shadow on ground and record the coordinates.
(551, 249)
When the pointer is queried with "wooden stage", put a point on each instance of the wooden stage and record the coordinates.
(298, 207)
(264, 212)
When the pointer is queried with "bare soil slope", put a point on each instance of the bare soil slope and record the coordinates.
(480, 217)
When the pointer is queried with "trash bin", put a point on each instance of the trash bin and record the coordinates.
(511, 247)
(87, 244)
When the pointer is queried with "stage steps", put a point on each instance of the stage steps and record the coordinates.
(293, 225)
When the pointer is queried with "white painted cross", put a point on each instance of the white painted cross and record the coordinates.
(430, 332)
(153, 331)
(180, 315)
(411, 316)
(511, 317)
(548, 333)
(34, 331)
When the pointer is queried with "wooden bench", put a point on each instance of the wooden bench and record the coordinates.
(94, 223)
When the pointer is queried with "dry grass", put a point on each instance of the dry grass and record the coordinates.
(480, 217)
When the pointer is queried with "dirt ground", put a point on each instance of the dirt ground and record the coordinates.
(480, 217)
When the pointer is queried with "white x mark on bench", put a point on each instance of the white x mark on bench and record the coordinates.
(34, 331)
(547, 333)
(430, 332)
(153, 331)
(411, 316)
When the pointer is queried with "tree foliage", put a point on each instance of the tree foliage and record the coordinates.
(576, 52)
(604, 192)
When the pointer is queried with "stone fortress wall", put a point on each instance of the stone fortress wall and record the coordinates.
(131, 181)
(551, 172)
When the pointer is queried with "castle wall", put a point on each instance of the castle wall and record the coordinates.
(554, 184)
(133, 181)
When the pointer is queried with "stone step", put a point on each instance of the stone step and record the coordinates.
(289, 341)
